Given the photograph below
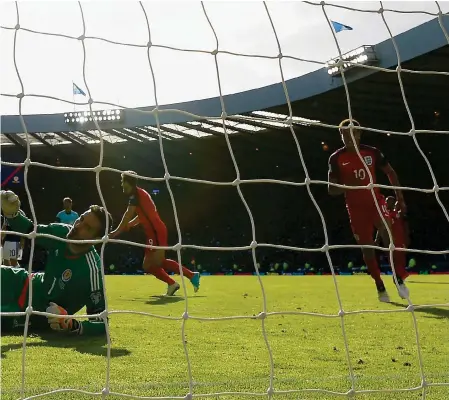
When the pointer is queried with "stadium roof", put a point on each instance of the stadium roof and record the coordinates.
(251, 123)
(313, 96)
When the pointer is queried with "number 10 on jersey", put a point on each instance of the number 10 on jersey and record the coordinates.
(360, 174)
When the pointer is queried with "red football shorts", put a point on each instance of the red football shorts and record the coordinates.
(364, 218)
(399, 237)
(156, 235)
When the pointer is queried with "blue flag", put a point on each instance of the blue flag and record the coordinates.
(77, 90)
(340, 27)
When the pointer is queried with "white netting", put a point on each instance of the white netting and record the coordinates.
(265, 313)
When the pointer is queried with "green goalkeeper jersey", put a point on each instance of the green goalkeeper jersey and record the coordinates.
(70, 280)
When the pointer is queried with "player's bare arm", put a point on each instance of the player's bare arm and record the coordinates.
(394, 181)
(334, 190)
(332, 177)
(403, 217)
(127, 217)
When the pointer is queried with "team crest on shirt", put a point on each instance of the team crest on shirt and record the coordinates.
(368, 160)
(66, 275)
(95, 297)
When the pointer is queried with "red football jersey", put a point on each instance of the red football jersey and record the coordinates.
(146, 210)
(347, 168)
(397, 225)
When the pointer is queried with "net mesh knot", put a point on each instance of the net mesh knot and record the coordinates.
(104, 315)
(351, 393)
(29, 310)
(262, 315)
(177, 247)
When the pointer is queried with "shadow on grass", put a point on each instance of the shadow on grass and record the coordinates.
(428, 282)
(155, 300)
(435, 312)
(96, 346)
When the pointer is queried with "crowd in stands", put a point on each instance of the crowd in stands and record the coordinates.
(214, 216)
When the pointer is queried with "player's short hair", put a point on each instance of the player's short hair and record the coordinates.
(67, 199)
(346, 122)
(103, 216)
(128, 178)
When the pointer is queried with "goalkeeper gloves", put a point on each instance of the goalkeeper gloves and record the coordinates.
(10, 203)
(62, 323)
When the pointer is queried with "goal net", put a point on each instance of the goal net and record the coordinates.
(260, 330)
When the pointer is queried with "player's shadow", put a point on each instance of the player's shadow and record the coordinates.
(435, 312)
(428, 282)
(164, 300)
(96, 346)
(155, 300)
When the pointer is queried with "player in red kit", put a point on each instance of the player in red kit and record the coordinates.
(400, 233)
(346, 168)
(142, 210)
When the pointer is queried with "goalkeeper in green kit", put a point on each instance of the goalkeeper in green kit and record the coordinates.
(72, 277)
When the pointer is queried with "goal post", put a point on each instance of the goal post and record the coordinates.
(341, 67)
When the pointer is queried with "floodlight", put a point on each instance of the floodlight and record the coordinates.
(83, 117)
(362, 55)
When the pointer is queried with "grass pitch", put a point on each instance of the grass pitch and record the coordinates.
(308, 351)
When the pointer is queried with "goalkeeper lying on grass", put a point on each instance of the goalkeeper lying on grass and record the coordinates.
(72, 277)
